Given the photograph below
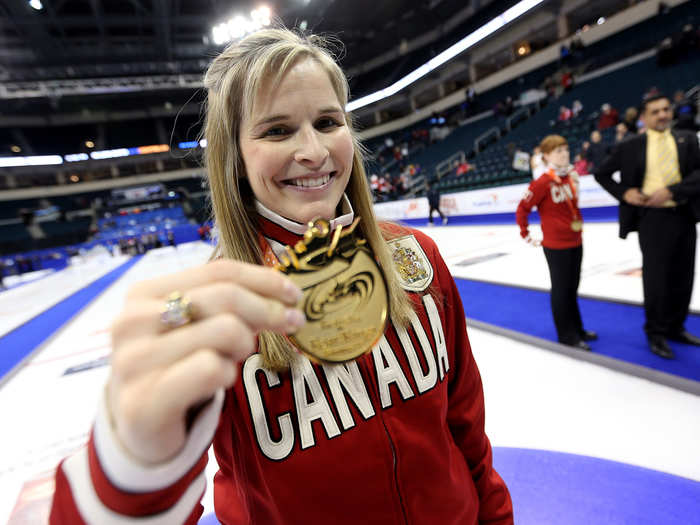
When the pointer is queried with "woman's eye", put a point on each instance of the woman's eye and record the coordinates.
(276, 132)
(326, 122)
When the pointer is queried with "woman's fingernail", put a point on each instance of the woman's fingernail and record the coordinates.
(295, 319)
(292, 291)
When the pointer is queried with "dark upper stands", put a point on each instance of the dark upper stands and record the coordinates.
(621, 88)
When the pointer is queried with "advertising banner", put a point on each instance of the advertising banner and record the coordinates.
(502, 199)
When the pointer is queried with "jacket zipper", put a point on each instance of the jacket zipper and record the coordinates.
(373, 387)
(395, 468)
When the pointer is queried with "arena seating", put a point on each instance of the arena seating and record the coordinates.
(491, 165)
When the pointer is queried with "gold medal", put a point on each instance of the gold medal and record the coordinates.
(577, 226)
(345, 296)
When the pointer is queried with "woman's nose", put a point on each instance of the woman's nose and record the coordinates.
(310, 149)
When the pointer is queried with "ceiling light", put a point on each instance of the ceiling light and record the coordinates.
(15, 148)
(261, 15)
(239, 26)
(448, 54)
(36, 4)
(76, 157)
(37, 160)
(89, 144)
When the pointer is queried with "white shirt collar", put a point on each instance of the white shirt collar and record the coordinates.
(295, 227)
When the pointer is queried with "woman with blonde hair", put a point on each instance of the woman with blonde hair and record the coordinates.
(555, 194)
(394, 435)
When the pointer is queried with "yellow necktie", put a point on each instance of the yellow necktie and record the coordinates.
(667, 161)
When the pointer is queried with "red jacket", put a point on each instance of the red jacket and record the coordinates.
(396, 437)
(557, 205)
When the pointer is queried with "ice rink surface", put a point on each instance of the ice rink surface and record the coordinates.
(535, 399)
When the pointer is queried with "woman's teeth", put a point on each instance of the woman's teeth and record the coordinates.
(311, 182)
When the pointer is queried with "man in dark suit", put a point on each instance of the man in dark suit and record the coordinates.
(659, 194)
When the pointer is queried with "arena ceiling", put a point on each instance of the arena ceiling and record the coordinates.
(70, 39)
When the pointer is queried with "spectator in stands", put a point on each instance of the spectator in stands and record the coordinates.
(564, 54)
(567, 80)
(688, 40)
(463, 168)
(576, 108)
(684, 112)
(384, 187)
(471, 104)
(659, 194)
(537, 163)
(621, 132)
(508, 106)
(608, 117)
(581, 165)
(555, 194)
(565, 114)
(597, 150)
(549, 86)
(577, 45)
(374, 185)
(171, 239)
(630, 119)
(666, 53)
(216, 365)
(403, 183)
(204, 232)
(433, 195)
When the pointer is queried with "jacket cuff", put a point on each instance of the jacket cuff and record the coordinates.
(127, 474)
(91, 508)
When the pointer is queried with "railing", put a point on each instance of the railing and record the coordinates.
(693, 92)
(520, 114)
(416, 185)
(445, 166)
(491, 132)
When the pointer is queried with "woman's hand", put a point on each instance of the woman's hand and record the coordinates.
(534, 242)
(159, 372)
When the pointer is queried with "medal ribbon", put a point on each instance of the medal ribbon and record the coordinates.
(269, 257)
(556, 178)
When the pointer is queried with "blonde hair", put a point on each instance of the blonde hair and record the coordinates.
(232, 82)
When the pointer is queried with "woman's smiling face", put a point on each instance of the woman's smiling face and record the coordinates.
(559, 156)
(296, 145)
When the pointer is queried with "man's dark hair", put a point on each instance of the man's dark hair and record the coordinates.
(652, 98)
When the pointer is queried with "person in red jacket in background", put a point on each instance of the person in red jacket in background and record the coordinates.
(555, 194)
(394, 436)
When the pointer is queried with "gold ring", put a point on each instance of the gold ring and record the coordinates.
(177, 310)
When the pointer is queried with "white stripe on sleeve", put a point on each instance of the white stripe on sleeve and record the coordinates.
(128, 474)
(93, 511)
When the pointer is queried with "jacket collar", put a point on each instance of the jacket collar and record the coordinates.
(280, 231)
